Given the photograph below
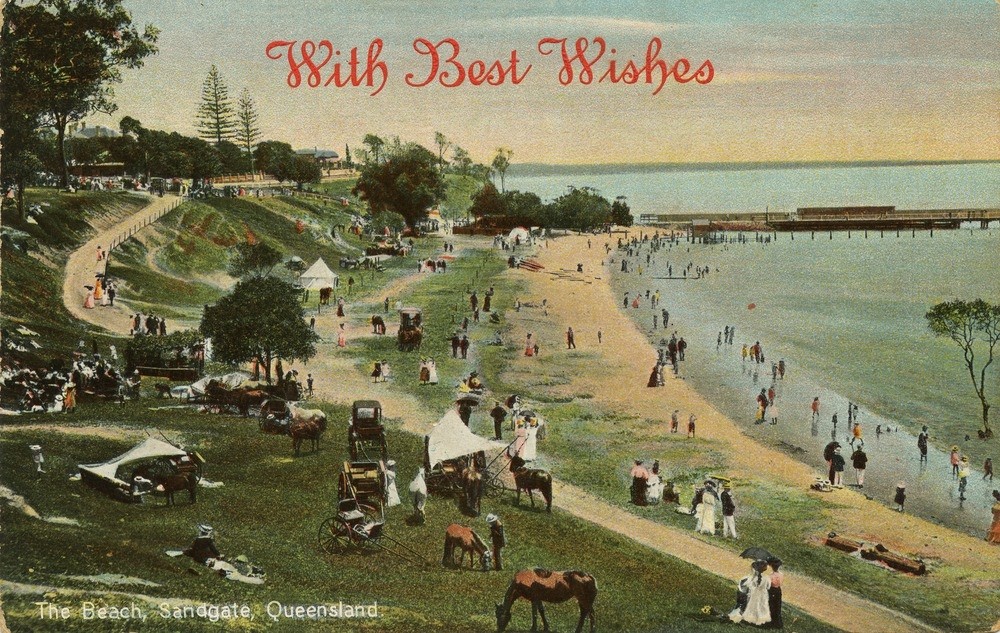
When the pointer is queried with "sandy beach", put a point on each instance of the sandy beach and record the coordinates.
(585, 302)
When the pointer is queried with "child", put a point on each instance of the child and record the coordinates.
(900, 499)
(37, 457)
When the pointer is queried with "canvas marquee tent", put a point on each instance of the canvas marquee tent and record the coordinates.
(450, 439)
(318, 276)
(104, 476)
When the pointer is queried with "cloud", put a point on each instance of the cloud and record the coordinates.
(595, 22)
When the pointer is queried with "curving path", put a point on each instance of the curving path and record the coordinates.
(82, 266)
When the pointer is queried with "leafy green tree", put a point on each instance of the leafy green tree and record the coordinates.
(303, 169)
(261, 319)
(216, 118)
(232, 159)
(461, 160)
(61, 59)
(443, 144)
(975, 327)
(272, 155)
(253, 260)
(247, 125)
(525, 208)
(487, 202)
(407, 182)
(581, 209)
(621, 214)
(387, 219)
(159, 351)
(501, 162)
(374, 143)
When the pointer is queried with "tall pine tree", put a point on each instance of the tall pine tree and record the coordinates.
(247, 124)
(216, 116)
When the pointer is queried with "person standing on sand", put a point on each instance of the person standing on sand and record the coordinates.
(781, 369)
(988, 469)
(570, 341)
(691, 420)
(954, 461)
(922, 444)
(856, 435)
(341, 337)
(675, 420)
(859, 459)
(600, 337)
(993, 536)
(838, 463)
(745, 352)
(963, 478)
(815, 408)
(900, 498)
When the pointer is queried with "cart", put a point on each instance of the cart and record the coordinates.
(366, 430)
(411, 329)
(275, 416)
(364, 482)
(450, 448)
(350, 529)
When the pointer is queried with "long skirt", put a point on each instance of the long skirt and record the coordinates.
(774, 605)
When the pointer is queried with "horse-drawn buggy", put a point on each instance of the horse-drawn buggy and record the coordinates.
(275, 416)
(366, 430)
(359, 523)
(152, 466)
(456, 464)
(411, 329)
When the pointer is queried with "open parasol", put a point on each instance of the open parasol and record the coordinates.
(756, 553)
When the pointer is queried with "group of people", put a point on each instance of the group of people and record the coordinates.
(648, 487)
(103, 293)
(758, 595)
(703, 507)
(150, 325)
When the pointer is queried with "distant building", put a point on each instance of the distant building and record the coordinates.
(327, 158)
(91, 131)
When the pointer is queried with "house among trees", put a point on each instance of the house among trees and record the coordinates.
(327, 159)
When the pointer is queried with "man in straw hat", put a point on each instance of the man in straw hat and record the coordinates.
(963, 477)
(498, 539)
(203, 547)
(37, 457)
(728, 511)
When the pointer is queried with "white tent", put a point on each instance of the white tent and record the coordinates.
(104, 475)
(450, 438)
(229, 381)
(521, 233)
(319, 275)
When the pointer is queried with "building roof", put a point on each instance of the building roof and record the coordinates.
(319, 153)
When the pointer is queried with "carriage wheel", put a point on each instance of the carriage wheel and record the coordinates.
(495, 489)
(333, 536)
(371, 511)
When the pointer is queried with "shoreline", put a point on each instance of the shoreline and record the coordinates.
(621, 387)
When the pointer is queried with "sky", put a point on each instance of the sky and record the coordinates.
(793, 80)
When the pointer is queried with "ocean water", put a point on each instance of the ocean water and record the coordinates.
(847, 315)
(731, 190)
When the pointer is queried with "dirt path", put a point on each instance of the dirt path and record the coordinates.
(82, 266)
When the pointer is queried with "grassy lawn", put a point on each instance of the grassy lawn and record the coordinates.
(270, 508)
(592, 447)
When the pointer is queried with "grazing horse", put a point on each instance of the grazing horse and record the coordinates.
(472, 488)
(304, 430)
(308, 415)
(378, 325)
(541, 585)
(169, 484)
(468, 541)
(324, 296)
(529, 479)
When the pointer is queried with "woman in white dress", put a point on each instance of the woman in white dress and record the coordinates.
(707, 517)
(531, 441)
(391, 494)
(756, 610)
(432, 371)
(654, 485)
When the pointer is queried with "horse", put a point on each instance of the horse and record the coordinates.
(378, 325)
(250, 398)
(304, 430)
(472, 488)
(469, 542)
(308, 415)
(169, 484)
(541, 585)
(324, 296)
(529, 479)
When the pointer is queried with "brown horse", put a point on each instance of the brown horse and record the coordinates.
(301, 430)
(469, 542)
(529, 479)
(169, 484)
(248, 399)
(541, 585)
(324, 296)
(472, 488)
(378, 325)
